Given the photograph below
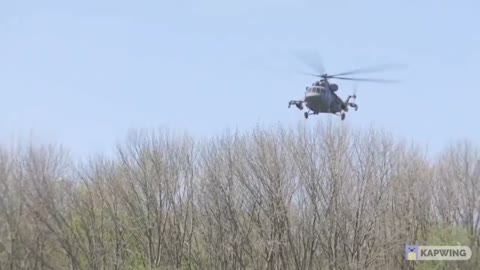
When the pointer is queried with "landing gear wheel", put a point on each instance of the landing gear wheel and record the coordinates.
(306, 115)
(343, 116)
(356, 108)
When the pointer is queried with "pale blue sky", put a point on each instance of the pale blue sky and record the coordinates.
(84, 73)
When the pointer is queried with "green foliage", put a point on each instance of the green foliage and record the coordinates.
(445, 236)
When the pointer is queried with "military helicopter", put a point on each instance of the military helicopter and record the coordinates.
(321, 96)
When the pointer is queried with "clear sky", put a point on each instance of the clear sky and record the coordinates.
(83, 73)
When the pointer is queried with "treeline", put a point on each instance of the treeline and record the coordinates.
(328, 197)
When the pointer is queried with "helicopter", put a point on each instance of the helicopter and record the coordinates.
(321, 96)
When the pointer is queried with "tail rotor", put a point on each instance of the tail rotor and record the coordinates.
(355, 88)
(354, 96)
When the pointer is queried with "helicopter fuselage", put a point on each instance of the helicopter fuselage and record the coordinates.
(320, 99)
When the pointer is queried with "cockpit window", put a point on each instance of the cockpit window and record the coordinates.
(314, 89)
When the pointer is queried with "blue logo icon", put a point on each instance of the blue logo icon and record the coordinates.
(411, 252)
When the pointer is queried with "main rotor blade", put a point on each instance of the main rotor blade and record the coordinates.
(365, 80)
(371, 69)
(309, 74)
(315, 63)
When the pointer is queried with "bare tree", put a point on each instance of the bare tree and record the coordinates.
(226, 221)
(49, 199)
(457, 202)
(158, 173)
(12, 214)
(102, 181)
(322, 197)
